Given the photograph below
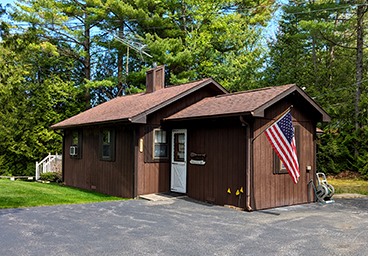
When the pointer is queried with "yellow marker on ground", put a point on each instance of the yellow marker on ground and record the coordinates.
(237, 192)
(241, 190)
(229, 191)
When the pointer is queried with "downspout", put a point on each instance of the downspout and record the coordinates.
(135, 162)
(248, 159)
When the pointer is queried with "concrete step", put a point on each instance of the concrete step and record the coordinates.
(163, 196)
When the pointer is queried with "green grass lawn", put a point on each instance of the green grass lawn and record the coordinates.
(14, 194)
(349, 186)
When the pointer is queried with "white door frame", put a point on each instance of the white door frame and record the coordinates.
(178, 167)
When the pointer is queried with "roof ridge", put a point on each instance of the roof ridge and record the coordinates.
(195, 81)
(243, 92)
(126, 95)
(251, 91)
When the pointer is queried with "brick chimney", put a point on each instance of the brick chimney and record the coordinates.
(155, 79)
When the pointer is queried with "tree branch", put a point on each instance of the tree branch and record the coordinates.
(70, 39)
(333, 42)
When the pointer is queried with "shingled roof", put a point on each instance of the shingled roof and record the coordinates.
(135, 107)
(252, 102)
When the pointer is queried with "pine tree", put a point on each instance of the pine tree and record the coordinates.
(320, 39)
(35, 92)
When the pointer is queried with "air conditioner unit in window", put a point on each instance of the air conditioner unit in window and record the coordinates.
(73, 150)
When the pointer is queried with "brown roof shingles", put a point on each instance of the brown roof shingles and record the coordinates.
(240, 102)
(126, 107)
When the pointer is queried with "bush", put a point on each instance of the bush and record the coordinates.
(336, 151)
(51, 176)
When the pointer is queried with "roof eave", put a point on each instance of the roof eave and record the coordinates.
(61, 127)
(139, 119)
(259, 112)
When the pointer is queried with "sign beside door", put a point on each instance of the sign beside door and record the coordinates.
(179, 161)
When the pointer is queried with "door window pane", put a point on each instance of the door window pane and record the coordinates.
(179, 144)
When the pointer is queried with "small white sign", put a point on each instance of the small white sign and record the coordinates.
(199, 162)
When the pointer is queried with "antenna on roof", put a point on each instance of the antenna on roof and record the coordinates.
(132, 44)
(137, 46)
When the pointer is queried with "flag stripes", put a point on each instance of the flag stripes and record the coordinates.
(283, 146)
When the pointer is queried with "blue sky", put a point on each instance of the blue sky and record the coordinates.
(4, 2)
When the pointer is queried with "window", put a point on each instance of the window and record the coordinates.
(75, 149)
(156, 144)
(75, 136)
(160, 144)
(179, 144)
(279, 167)
(107, 144)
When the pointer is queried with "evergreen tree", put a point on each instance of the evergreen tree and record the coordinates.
(35, 92)
(317, 48)
(66, 59)
(70, 22)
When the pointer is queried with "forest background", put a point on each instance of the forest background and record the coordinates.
(61, 57)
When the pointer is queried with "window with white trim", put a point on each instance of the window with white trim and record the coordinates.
(160, 145)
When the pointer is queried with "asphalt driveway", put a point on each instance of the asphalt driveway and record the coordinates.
(185, 227)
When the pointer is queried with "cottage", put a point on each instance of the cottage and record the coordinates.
(194, 138)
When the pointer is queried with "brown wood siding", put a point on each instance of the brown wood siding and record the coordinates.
(224, 143)
(274, 190)
(112, 178)
(154, 177)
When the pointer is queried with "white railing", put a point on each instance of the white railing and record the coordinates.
(51, 163)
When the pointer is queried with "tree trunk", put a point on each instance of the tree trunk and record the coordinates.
(183, 10)
(315, 60)
(87, 60)
(120, 63)
(359, 63)
(359, 66)
(332, 52)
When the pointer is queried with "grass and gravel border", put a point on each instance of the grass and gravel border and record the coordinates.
(15, 194)
(349, 186)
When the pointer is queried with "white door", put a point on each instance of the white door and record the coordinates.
(179, 161)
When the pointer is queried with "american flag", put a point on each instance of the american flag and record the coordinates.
(282, 138)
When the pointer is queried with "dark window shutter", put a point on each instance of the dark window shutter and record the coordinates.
(112, 145)
(80, 144)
